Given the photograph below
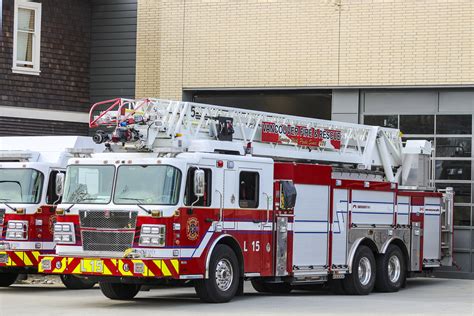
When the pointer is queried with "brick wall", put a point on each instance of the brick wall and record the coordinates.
(306, 43)
(65, 45)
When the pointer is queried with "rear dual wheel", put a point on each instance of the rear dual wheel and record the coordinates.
(391, 270)
(362, 279)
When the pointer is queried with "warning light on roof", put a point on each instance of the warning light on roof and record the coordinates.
(219, 164)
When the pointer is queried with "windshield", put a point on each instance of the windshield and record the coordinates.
(147, 184)
(20, 186)
(88, 184)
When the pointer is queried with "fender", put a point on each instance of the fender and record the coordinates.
(353, 250)
(388, 242)
(211, 249)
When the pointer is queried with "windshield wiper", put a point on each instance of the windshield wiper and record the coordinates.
(139, 203)
(8, 205)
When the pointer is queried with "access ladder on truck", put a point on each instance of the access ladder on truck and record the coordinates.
(167, 126)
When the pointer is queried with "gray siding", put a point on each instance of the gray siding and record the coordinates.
(113, 49)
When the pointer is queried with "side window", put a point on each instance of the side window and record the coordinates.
(51, 197)
(248, 189)
(189, 197)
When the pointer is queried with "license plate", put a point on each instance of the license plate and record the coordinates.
(3, 258)
(92, 265)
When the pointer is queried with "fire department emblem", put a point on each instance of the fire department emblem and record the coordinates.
(52, 221)
(192, 229)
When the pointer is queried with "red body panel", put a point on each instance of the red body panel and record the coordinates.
(257, 245)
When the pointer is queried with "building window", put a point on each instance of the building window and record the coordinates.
(248, 189)
(417, 124)
(382, 120)
(27, 37)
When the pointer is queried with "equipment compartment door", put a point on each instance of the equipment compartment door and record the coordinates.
(310, 241)
(432, 229)
(339, 227)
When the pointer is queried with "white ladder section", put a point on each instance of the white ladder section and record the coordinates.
(160, 125)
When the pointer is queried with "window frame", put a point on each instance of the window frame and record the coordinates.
(257, 193)
(36, 7)
(189, 186)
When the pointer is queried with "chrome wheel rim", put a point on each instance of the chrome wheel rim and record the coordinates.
(364, 271)
(394, 269)
(224, 274)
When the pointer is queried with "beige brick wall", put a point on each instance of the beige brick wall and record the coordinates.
(186, 44)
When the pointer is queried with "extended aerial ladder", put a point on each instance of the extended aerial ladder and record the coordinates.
(173, 126)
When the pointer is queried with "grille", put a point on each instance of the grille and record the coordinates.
(107, 241)
(108, 220)
(107, 231)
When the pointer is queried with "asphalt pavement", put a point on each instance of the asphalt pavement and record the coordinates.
(422, 296)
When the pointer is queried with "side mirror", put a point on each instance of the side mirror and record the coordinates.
(287, 195)
(59, 186)
(199, 183)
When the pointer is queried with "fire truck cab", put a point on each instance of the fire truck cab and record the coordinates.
(31, 169)
(215, 196)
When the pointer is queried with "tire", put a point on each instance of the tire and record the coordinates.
(224, 277)
(362, 279)
(7, 279)
(119, 291)
(391, 270)
(276, 288)
(75, 283)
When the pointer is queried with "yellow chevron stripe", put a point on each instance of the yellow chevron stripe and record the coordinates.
(77, 270)
(26, 260)
(175, 264)
(164, 269)
(36, 254)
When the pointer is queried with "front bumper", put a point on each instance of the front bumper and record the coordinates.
(19, 259)
(141, 268)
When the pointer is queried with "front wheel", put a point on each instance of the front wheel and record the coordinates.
(7, 279)
(75, 283)
(391, 270)
(362, 279)
(224, 277)
(119, 291)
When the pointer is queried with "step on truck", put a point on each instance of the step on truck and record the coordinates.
(31, 169)
(212, 196)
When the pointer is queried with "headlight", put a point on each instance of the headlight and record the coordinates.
(64, 233)
(17, 230)
(153, 235)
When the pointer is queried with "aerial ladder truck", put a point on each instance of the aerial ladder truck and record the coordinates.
(31, 169)
(213, 196)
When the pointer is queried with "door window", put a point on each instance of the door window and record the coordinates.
(248, 189)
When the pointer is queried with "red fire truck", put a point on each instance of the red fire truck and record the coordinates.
(213, 196)
(30, 168)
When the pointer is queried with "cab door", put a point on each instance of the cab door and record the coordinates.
(230, 198)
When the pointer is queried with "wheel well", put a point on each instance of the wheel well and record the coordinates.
(403, 248)
(369, 243)
(234, 245)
